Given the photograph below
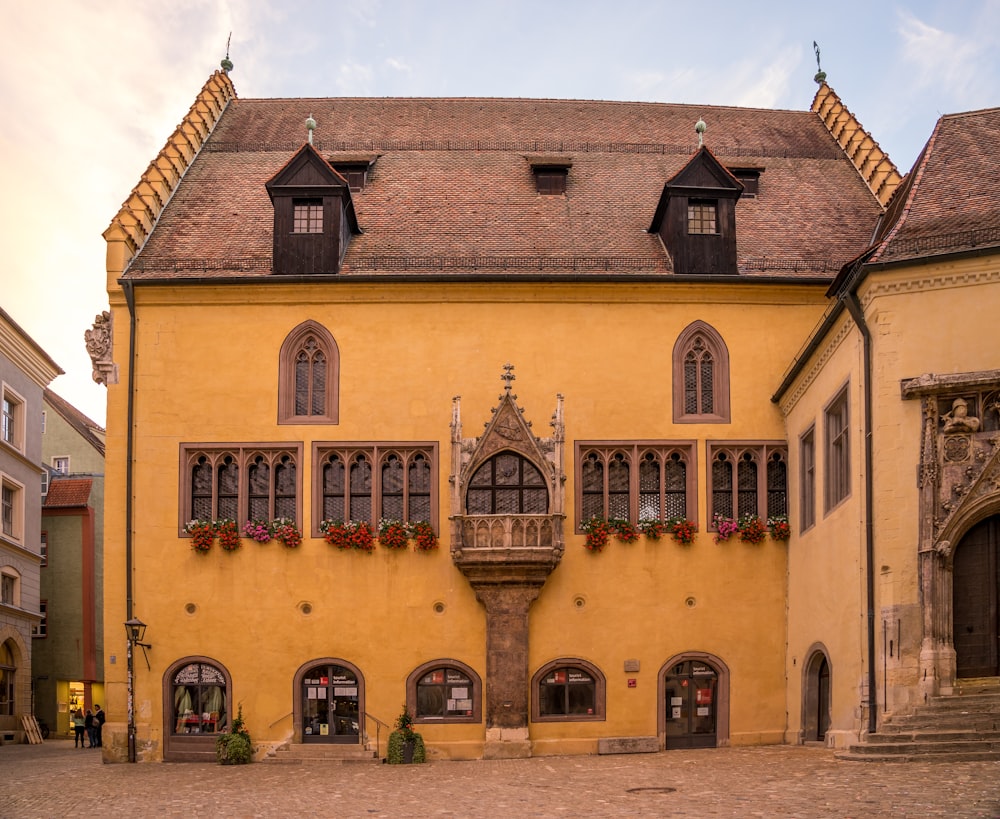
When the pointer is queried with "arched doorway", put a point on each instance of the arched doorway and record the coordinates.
(694, 702)
(329, 703)
(976, 601)
(816, 697)
(197, 705)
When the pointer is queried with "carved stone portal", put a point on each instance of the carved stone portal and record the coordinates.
(959, 482)
(507, 517)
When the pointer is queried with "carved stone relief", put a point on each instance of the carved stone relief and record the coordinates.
(99, 341)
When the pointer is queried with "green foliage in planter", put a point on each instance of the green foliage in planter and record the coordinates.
(233, 749)
(397, 739)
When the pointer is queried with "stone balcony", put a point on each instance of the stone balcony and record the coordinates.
(507, 548)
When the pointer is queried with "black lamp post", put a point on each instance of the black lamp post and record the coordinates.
(135, 629)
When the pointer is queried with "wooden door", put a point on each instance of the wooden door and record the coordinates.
(975, 597)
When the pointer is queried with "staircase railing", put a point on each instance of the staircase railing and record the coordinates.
(379, 725)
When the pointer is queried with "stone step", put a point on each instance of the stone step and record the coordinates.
(295, 754)
(958, 722)
(979, 755)
(918, 747)
(970, 735)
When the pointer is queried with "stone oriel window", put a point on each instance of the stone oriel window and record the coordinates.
(568, 690)
(240, 482)
(700, 376)
(636, 480)
(747, 479)
(507, 484)
(371, 481)
(309, 376)
(445, 691)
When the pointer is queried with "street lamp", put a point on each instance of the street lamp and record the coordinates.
(135, 630)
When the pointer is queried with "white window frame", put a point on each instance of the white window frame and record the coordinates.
(12, 433)
(16, 532)
(56, 462)
(10, 579)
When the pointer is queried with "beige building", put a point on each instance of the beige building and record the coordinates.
(540, 419)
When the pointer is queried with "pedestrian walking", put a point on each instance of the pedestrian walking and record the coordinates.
(99, 719)
(78, 726)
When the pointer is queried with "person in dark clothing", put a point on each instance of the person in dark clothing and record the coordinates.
(99, 719)
(78, 727)
(88, 726)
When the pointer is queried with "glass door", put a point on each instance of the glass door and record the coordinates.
(691, 702)
(330, 705)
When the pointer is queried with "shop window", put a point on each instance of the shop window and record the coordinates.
(635, 481)
(308, 376)
(375, 481)
(444, 691)
(199, 698)
(568, 690)
(700, 364)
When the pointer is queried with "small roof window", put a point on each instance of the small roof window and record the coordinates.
(551, 173)
(750, 179)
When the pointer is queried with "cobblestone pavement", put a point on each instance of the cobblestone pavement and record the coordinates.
(57, 780)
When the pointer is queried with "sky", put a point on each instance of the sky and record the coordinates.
(90, 90)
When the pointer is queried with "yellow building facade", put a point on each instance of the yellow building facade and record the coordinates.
(521, 341)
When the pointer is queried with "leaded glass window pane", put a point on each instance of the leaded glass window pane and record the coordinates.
(618, 488)
(690, 384)
(707, 365)
(675, 487)
(259, 483)
(284, 489)
(722, 487)
(746, 475)
(777, 486)
(649, 487)
(229, 485)
(392, 488)
(201, 490)
(361, 489)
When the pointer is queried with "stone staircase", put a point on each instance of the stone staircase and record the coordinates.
(289, 754)
(962, 727)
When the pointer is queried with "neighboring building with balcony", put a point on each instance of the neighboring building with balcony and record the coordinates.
(25, 371)
(68, 662)
(310, 332)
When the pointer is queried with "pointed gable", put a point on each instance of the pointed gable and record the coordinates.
(696, 216)
(313, 215)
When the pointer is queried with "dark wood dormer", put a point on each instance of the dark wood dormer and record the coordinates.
(696, 217)
(313, 215)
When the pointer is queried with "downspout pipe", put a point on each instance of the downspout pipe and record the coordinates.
(129, 292)
(850, 301)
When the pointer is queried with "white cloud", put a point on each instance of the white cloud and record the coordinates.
(398, 65)
(938, 57)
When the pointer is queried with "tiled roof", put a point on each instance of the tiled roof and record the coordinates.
(452, 190)
(89, 430)
(68, 492)
(948, 203)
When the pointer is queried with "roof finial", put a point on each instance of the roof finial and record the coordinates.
(820, 73)
(700, 127)
(227, 64)
(310, 127)
(508, 375)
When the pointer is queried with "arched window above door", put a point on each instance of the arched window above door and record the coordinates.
(700, 376)
(309, 376)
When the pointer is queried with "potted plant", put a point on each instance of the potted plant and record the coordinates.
(682, 530)
(752, 529)
(626, 531)
(598, 531)
(725, 527)
(229, 534)
(405, 745)
(335, 533)
(393, 534)
(653, 529)
(259, 530)
(202, 534)
(423, 534)
(285, 531)
(360, 536)
(234, 747)
(779, 527)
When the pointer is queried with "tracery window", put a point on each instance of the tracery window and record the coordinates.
(507, 484)
(239, 482)
(637, 480)
(308, 376)
(748, 479)
(700, 376)
(375, 481)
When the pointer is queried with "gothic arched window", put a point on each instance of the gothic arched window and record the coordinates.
(700, 376)
(309, 376)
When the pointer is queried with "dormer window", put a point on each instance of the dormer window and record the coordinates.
(550, 181)
(307, 216)
(750, 179)
(356, 174)
(702, 216)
